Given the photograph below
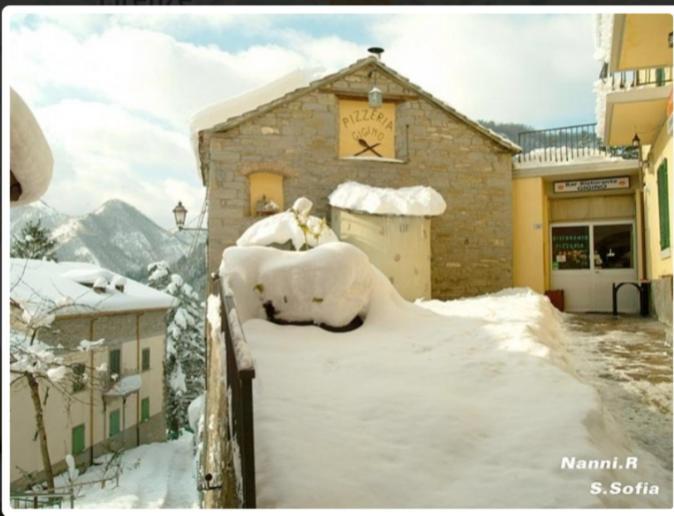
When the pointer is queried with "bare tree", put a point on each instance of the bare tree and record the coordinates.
(39, 363)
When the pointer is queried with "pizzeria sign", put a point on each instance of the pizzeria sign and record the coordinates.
(592, 185)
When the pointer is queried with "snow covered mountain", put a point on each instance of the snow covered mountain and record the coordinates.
(116, 236)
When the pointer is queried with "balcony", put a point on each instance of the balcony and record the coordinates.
(570, 144)
(633, 101)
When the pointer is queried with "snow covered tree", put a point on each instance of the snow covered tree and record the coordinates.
(34, 242)
(41, 366)
(185, 349)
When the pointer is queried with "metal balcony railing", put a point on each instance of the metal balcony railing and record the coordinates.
(566, 144)
(628, 79)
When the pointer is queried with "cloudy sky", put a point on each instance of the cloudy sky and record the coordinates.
(115, 93)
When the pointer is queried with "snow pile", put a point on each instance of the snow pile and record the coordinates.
(125, 386)
(86, 345)
(413, 200)
(153, 476)
(194, 412)
(31, 355)
(31, 160)
(440, 404)
(295, 225)
(329, 284)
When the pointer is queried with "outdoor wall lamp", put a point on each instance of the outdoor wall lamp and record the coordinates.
(669, 40)
(636, 142)
(180, 214)
(375, 97)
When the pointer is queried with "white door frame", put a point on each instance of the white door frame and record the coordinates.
(588, 278)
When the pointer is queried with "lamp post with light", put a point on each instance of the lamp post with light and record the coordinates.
(180, 214)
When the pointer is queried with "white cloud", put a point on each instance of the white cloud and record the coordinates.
(521, 68)
(139, 81)
(102, 152)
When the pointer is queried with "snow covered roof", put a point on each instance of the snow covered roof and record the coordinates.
(282, 89)
(125, 386)
(30, 158)
(67, 287)
(409, 201)
(217, 113)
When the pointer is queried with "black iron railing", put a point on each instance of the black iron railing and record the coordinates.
(627, 79)
(564, 144)
(240, 374)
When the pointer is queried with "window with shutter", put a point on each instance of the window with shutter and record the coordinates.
(78, 439)
(144, 409)
(113, 423)
(115, 361)
(663, 205)
(146, 359)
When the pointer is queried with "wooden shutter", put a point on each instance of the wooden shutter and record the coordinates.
(145, 409)
(114, 423)
(78, 439)
(663, 204)
(146, 359)
(115, 361)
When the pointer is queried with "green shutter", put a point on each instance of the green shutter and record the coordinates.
(659, 76)
(78, 439)
(146, 359)
(144, 409)
(115, 361)
(114, 423)
(663, 204)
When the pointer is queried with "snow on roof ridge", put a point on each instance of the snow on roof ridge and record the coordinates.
(41, 285)
(410, 201)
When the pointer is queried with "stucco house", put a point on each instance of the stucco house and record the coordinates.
(593, 210)
(109, 332)
(296, 138)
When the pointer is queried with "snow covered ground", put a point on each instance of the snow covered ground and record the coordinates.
(153, 476)
(440, 404)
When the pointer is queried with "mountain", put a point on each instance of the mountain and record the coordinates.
(510, 130)
(119, 237)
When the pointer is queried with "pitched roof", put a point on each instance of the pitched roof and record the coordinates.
(66, 288)
(237, 120)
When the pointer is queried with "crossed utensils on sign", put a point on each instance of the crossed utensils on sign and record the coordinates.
(367, 147)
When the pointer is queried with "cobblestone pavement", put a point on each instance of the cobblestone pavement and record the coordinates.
(629, 360)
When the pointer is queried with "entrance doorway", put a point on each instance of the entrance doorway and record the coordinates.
(587, 258)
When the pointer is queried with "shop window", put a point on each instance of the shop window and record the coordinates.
(366, 132)
(266, 193)
(114, 423)
(146, 359)
(115, 362)
(144, 409)
(570, 248)
(663, 205)
(79, 377)
(612, 246)
(78, 443)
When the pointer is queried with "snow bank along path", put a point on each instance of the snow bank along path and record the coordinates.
(153, 476)
(444, 404)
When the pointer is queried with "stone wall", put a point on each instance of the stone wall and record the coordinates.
(471, 242)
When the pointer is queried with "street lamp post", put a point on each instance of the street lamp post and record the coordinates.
(180, 214)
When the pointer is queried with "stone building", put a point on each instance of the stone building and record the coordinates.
(307, 141)
(109, 333)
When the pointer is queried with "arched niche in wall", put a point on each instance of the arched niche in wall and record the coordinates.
(266, 193)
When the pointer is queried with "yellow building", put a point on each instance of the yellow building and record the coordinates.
(109, 334)
(593, 210)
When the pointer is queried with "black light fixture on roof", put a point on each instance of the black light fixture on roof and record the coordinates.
(636, 141)
(180, 214)
(375, 97)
